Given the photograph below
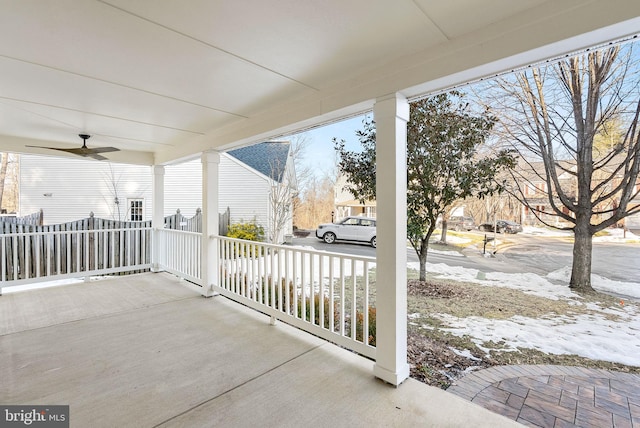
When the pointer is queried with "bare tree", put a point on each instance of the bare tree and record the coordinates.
(3, 173)
(114, 200)
(282, 193)
(316, 203)
(552, 115)
(280, 202)
(9, 167)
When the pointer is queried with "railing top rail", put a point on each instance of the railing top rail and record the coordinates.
(63, 232)
(299, 249)
(179, 232)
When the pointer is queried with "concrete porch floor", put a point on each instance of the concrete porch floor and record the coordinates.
(145, 351)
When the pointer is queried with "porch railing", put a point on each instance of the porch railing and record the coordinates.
(29, 257)
(179, 253)
(327, 294)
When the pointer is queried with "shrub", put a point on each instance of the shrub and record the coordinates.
(371, 337)
(250, 231)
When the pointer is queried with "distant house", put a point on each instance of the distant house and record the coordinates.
(347, 206)
(68, 189)
(534, 190)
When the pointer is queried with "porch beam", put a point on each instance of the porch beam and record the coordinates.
(157, 214)
(210, 209)
(391, 114)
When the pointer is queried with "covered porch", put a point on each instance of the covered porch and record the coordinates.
(156, 85)
(144, 350)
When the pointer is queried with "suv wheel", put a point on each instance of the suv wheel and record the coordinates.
(373, 242)
(329, 238)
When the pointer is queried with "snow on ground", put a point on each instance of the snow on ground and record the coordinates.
(590, 336)
(528, 283)
(553, 286)
(542, 231)
(600, 283)
(610, 334)
(453, 239)
(610, 235)
(617, 235)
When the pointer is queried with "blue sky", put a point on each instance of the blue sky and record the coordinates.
(320, 154)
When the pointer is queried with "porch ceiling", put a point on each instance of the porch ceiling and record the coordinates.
(166, 80)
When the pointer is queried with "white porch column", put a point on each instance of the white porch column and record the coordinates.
(391, 114)
(157, 214)
(210, 172)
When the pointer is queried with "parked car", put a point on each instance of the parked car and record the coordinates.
(461, 223)
(502, 226)
(357, 229)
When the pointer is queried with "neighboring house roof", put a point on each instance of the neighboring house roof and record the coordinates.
(268, 158)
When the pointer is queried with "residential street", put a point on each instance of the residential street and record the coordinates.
(522, 253)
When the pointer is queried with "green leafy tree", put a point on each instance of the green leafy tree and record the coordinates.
(446, 161)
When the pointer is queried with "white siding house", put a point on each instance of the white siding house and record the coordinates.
(69, 189)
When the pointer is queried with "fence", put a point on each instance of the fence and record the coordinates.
(92, 246)
(34, 219)
(194, 224)
(327, 294)
(82, 248)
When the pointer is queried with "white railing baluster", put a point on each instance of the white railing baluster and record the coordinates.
(354, 291)
(331, 296)
(321, 291)
(342, 302)
(269, 276)
(365, 309)
(3, 254)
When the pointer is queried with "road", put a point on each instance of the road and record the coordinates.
(524, 253)
(618, 262)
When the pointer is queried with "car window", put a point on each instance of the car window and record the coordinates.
(365, 222)
(351, 222)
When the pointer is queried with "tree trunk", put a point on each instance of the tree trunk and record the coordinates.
(443, 235)
(422, 256)
(582, 250)
(3, 175)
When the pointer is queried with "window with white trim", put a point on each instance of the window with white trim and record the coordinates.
(136, 209)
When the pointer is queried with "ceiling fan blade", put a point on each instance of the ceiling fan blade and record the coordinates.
(74, 151)
(95, 156)
(83, 151)
(103, 149)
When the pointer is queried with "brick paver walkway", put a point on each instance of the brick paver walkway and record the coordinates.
(555, 396)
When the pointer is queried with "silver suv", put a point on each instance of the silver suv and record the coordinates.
(359, 229)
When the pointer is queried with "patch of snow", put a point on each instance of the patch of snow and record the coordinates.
(453, 239)
(554, 285)
(617, 235)
(464, 353)
(590, 336)
(528, 283)
(542, 231)
(599, 283)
